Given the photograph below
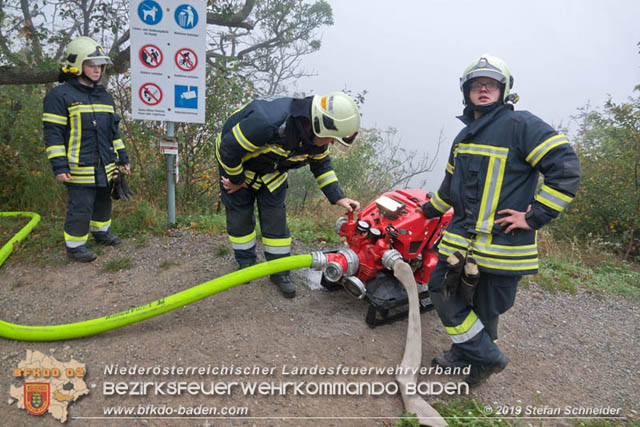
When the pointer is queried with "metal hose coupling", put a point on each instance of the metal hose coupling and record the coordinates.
(390, 257)
(318, 260)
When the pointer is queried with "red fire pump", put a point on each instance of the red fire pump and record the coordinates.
(392, 226)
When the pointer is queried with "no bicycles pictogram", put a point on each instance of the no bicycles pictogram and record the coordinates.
(150, 94)
(186, 59)
(150, 56)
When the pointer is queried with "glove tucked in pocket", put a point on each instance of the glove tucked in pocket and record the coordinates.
(455, 264)
(469, 280)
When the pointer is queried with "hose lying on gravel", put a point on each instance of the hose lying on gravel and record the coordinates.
(152, 309)
(413, 352)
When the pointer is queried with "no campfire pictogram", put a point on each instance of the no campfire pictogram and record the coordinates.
(186, 59)
(150, 56)
(150, 94)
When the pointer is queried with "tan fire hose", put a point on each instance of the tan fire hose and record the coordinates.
(412, 358)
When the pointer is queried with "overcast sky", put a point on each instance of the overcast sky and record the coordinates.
(409, 55)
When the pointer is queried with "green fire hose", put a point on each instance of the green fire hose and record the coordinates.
(8, 247)
(146, 311)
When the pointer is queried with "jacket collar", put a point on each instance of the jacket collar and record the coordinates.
(476, 125)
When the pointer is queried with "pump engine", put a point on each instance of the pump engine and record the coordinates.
(392, 226)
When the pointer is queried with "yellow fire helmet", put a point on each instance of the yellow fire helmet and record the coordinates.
(492, 67)
(335, 115)
(82, 49)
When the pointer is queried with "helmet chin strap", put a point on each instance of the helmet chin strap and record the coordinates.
(84, 76)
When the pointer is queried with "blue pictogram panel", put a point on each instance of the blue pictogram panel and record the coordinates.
(186, 16)
(149, 12)
(186, 96)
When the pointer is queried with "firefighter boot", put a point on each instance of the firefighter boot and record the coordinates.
(284, 283)
(479, 373)
(106, 238)
(449, 359)
(81, 253)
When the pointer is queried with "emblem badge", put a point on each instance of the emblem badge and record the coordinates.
(36, 397)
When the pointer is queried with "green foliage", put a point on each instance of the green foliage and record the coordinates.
(312, 230)
(409, 419)
(25, 169)
(117, 264)
(608, 202)
(464, 412)
(131, 219)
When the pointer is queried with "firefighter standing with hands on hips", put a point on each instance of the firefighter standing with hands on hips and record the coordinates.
(490, 181)
(258, 144)
(83, 145)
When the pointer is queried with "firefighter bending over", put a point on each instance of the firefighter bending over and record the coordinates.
(490, 181)
(83, 145)
(258, 145)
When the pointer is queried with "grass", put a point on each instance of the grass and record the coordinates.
(464, 412)
(566, 266)
(117, 264)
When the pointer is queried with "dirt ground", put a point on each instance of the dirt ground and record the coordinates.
(577, 351)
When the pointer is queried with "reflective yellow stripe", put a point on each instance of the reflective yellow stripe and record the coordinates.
(118, 144)
(243, 239)
(320, 156)
(277, 183)
(75, 138)
(277, 242)
(300, 158)
(483, 150)
(244, 142)
(91, 108)
(99, 225)
(54, 118)
(439, 204)
(56, 151)
(491, 194)
(450, 168)
(464, 326)
(237, 170)
(326, 178)
(541, 150)
(553, 198)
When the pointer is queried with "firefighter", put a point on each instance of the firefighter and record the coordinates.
(490, 182)
(83, 145)
(258, 145)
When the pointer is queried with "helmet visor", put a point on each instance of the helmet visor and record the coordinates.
(97, 61)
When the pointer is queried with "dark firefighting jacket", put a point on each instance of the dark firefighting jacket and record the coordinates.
(494, 164)
(263, 140)
(81, 132)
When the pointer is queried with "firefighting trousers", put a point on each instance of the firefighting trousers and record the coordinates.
(474, 330)
(88, 209)
(241, 223)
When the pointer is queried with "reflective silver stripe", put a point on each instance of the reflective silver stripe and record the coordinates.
(552, 198)
(242, 141)
(272, 186)
(450, 168)
(439, 204)
(455, 238)
(326, 178)
(118, 144)
(56, 151)
(74, 139)
(511, 265)
(240, 246)
(475, 329)
(99, 226)
(75, 241)
(485, 150)
(54, 118)
(91, 108)
(541, 150)
(491, 194)
(277, 250)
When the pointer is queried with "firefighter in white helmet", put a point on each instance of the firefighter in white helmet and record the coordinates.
(84, 146)
(490, 182)
(258, 145)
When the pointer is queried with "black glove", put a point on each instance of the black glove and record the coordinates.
(469, 282)
(120, 189)
(455, 263)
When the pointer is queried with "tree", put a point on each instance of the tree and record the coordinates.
(608, 202)
(266, 37)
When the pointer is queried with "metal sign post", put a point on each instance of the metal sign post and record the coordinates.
(171, 177)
